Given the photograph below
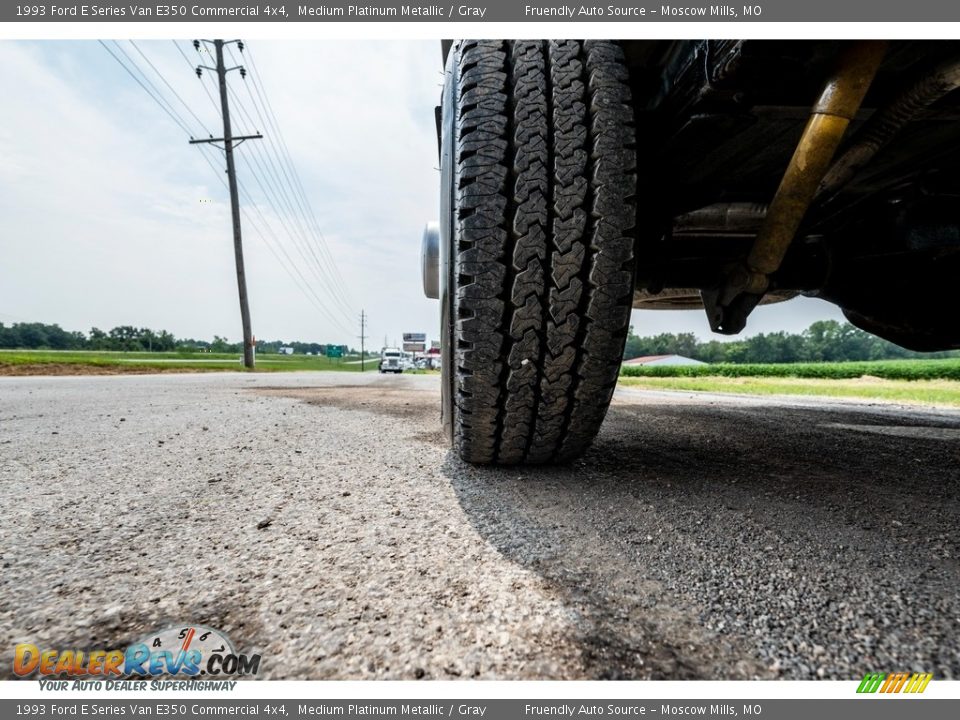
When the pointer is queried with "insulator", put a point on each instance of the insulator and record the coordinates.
(196, 45)
(199, 72)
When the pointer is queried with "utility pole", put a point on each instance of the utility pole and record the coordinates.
(363, 338)
(229, 143)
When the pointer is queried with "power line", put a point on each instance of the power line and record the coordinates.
(156, 95)
(314, 300)
(278, 198)
(279, 215)
(306, 288)
(149, 82)
(202, 83)
(283, 183)
(303, 283)
(175, 93)
(179, 122)
(297, 185)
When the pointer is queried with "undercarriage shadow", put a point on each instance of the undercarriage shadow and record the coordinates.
(698, 541)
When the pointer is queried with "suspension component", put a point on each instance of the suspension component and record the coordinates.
(729, 305)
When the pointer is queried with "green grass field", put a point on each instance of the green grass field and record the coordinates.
(55, 362)
(948, 369)
(922, 392)
(928, 382)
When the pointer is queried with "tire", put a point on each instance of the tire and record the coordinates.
(538, 167)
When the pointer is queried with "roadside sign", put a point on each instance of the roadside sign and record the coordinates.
(334, 351)
(434, 344)
(414, 347)
(414, 337)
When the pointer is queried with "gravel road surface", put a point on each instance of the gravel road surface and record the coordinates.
(320, 520)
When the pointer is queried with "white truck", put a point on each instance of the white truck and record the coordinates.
(391, 360)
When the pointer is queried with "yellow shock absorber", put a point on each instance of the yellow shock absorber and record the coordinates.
(838, 104)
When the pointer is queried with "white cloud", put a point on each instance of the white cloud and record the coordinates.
(110, 218)
(99, 227)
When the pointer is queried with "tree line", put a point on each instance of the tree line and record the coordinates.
(126, 338)
(823, 341)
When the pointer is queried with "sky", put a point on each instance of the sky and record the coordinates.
(108, 216)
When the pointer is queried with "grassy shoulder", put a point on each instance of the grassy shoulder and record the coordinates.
(82, 362)
(923, 392)
(923, 369)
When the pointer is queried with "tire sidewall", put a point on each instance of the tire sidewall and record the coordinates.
(448, 291)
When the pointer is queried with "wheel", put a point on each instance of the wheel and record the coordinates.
(538, 175)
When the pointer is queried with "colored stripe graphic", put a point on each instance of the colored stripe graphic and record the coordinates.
(870, 683)
(918, 683)
(894, 682)
(898, 680)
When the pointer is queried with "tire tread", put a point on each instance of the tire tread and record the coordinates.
(545, 178)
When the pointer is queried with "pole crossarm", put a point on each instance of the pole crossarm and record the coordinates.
(236, 139)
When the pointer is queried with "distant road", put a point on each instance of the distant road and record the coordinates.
(319, 519)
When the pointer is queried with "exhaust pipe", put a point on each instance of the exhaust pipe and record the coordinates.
(733, 218)
(886, 123)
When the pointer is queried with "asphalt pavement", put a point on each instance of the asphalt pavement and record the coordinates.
(320, 519)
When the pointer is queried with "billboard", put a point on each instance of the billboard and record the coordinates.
(414, 347)
(414, 338)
